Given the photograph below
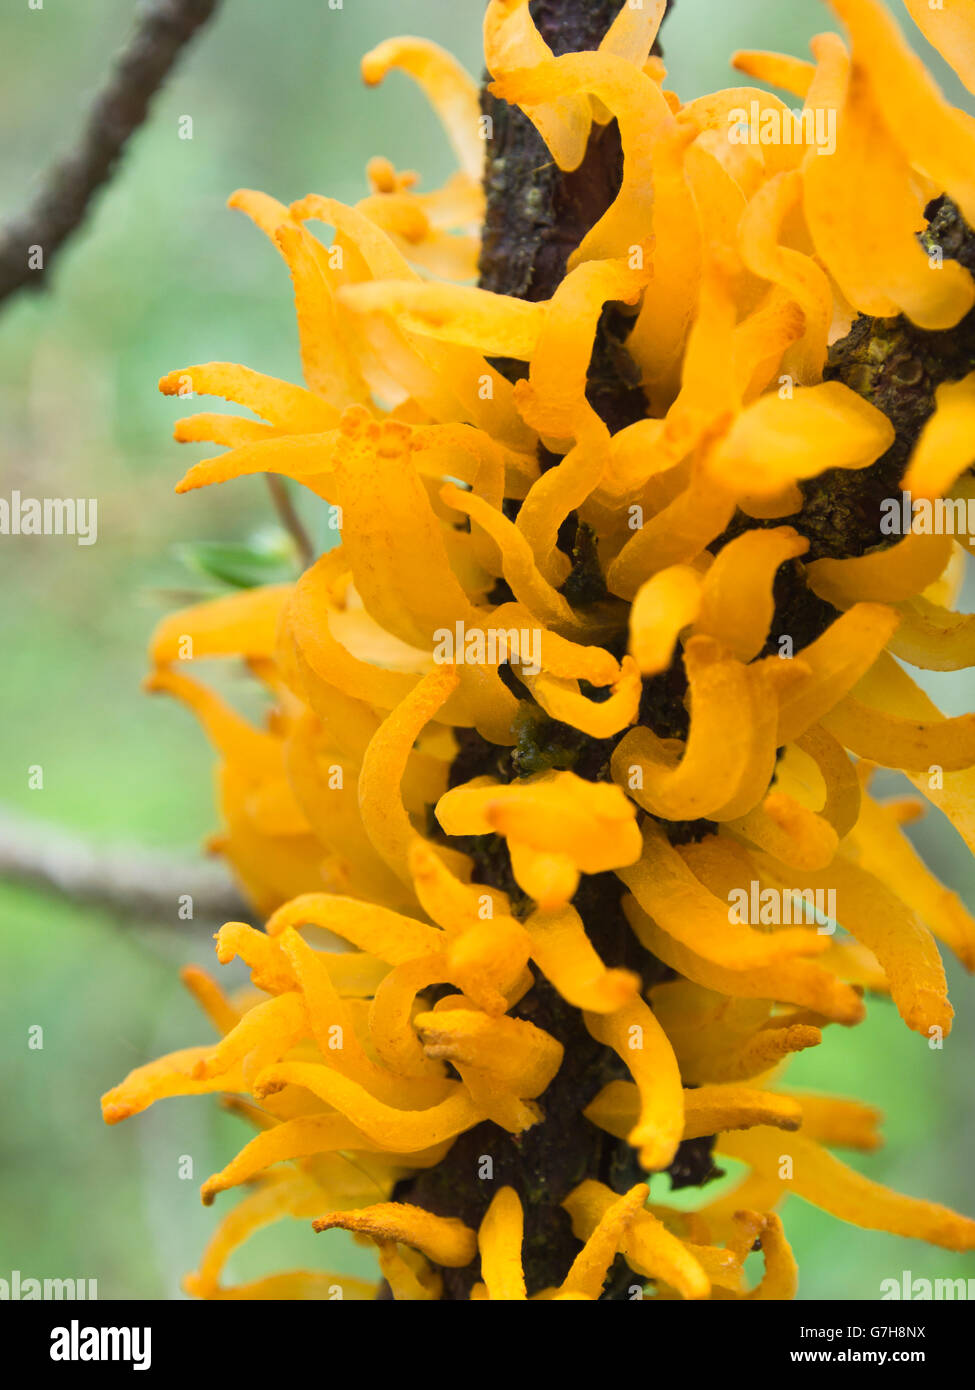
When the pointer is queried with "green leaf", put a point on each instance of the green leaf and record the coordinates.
(267, 557)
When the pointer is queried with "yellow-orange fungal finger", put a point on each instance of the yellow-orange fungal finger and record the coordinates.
(890, 575)
(736, 603)
(638, 1039)
(306, 458)
(676, 535)
(853, 962)
(329, 368)
(230, 430)
(288, 407)
(832, 1120)
(950, 27)
(908, 744)
(753, 1056)
(566, 957)
(780, 440)
(444, 1239)
(789, 831)
(935, 136)
(315, 603)
(633, 32)
(884, 850)
(643, 115)
(559, 491)
(719, 1264)
(333, 1027)
(797, 275)
(270, 968)
(684, 908)
(720, 1039)
(386, 934)
(800, 982)
(769, 341)
(297, 1138)
(717, 776)
(393, 541)
(263, 210)
(513, 41)
(265, 1033)
(242, 624)
(453, 905)
(933, 637)
(410, 1283)
(832, 665)
(591, 1266)
(553, 399)
(843, 801)
(398, 1131)
(553, 812)
(499, 1240)
(515, 1054)
(828, 1183)
(221, 1011)
(293, 1285)
(383, 814)
(657, 340)
(560, 656)
(549, 877)
(647, 1246)
(944, 448)
(877, 260)
(488, 962)
(662, 607)
(449, 88)
(777, 69)
(172, 1075)
(492, 323)
(391, 1031)
(563, 701)
(436, 250)
(903, 945)
(892, 690)
(277, 1195)
(709, 1109)
(781, 1278)
(527, 582)
(716, 1109)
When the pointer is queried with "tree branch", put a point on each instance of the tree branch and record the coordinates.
(289, 518)
(119, 109)
(535, 215)
(133, 883)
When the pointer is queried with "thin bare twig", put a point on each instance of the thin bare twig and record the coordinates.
(133, 883)
(118, 110)
(289, 518)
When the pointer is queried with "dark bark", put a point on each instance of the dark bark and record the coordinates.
(119, 109)
(535, 217)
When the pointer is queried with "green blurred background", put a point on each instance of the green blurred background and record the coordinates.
(162, 275)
